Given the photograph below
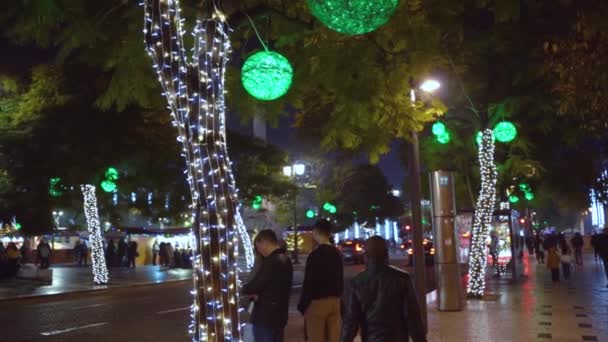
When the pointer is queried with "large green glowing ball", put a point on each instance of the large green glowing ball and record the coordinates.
(111, 174)
(109, 186)
(505, 132)
(353, 16)
(439, 128)
(267, 75)
(444, 138)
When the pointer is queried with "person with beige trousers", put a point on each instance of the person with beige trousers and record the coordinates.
(320, 302)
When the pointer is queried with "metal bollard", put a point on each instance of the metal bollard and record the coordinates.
(449, 293)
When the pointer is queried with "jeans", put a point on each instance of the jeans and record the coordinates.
(555, 274)
(566, 270)
(263, 334)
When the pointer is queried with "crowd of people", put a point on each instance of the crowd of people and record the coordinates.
(12, 257)
(170, 256)
(381, 300)
(122, 254)
(562, 255)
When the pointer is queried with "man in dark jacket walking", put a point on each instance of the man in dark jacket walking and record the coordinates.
(382, 302)
(577, 245)
(322, 288)
(602, 249)
(270, 289)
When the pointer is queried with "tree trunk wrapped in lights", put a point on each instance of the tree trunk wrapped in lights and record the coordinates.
(194, 88)
(483, 215)
(100, 270)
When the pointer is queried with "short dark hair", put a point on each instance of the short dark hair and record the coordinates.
(324, 227)
(267, 235)
(377, 250)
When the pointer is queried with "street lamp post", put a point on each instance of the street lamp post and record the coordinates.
(294, 171)
(427, 86)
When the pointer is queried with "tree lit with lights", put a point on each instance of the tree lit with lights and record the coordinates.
(194, 89)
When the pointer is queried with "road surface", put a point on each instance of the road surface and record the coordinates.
(144, 313)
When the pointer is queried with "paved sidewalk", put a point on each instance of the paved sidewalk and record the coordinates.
(70, 279)
(535, 309)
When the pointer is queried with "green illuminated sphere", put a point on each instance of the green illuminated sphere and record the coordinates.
(513, 199)
(267, 75)
(353, 16)
(310, 213)
(327, 206)
(439, 128)
(529, 195)
(111, 174)
(333, 210)
(108, 186)
(505, 132)
(444, 138)
(55, 187)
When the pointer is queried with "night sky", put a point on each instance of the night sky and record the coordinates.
(284, 136)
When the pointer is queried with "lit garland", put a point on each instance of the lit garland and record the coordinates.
(194, 88)
(353, 16)
(247, 245)
(100, 270)
(483, 215)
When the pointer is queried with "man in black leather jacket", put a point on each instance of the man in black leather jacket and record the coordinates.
(382, 302)
(270, 288)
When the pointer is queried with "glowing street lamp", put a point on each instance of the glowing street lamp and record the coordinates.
(294, 171)
(430, 86)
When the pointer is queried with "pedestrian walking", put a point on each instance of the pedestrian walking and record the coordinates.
(566, 260)
(132, 254)
(122, 252)
(594, 239)
(540, 254)
(577, 246)
(553, 263)
(270, 289)
(84, 254)
(602, 249)
(44, 253)
(110, 253)
(322, 288)
(382, 303)
(155, 251)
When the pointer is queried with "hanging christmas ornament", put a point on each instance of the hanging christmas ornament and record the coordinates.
(353, 16)
(55, 187)
(505, 131)
(444, 138)
(267, 75)
(111, 174)
(438, 128)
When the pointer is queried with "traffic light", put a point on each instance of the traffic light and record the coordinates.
(522, 221)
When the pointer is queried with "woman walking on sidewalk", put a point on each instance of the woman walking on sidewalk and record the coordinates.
(553, 262)
(566, 259)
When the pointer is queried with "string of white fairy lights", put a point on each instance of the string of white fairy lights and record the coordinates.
(100, 270)
(483, 215)
(194, 88)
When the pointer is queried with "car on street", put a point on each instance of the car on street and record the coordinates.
(352, 251)
(429, 251)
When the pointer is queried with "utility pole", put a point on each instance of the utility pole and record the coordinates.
(418, 230)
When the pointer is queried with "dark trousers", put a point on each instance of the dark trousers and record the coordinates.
(44, 262)
(555, 274)
(566, 270)
(578, 255)
(131, 262)
(154, 254)
(263, 334)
